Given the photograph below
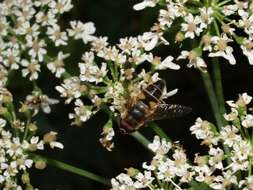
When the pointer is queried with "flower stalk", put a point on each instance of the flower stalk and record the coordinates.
(72, 169)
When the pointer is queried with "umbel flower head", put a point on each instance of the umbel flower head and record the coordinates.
(211, 26)
(217, 169)
(108, 78)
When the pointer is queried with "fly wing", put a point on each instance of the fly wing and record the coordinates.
(167, 111)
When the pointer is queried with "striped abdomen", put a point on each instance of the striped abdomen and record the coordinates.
(144, 107)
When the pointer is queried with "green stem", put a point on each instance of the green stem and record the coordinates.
(212, 98)
(223, 3)
(214, 104)
(73, 169)
(159, 131)
(143, 140)
(218, 87)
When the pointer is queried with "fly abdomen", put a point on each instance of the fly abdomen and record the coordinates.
(154, 92)
(137, 114)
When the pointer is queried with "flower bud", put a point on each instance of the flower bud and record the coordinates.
(40, 164)
(25, 178)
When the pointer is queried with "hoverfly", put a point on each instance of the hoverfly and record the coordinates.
(148, 106)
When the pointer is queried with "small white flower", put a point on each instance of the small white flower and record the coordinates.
(82, 31)
(36, 101)
(82, 112)
(11, 58)
(247, 49)
(60, 6)
(46, 19)
(36, 48)
(31, 68)
(71, 88)
(122, 182)
(194, 60)
(248, 121)
(50, 138)
(143, 180)
(167, 64)
(206, 16)
(149, 40)
(192, 26)
(201, 129)
(229, 135)
(160, 146)
(242, 150)
(222, 49)
(57, 66)
(55, 34)
(144, 4)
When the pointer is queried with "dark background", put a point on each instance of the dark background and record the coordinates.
(117, 19)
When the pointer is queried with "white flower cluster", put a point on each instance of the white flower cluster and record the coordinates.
(19, 141)
(213, 25)
(28, 29)
(229, 153)
(108, 77)
(15, 158)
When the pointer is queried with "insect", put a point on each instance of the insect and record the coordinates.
(148, 106)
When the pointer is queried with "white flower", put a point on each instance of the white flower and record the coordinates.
(57, 66)
(32, 68)
(222, 49)
(60, 6)
(166, 17)
(243, 100)
(89, 71)
(36, 101)
(41, 3)
(88, 30)
(143, 180)
(201, 129)
(232, 115)
(206, 16)
(149, 40)
(46, 19)
(2, 123)
(82, 31)
(167, 64)
(194, 60)
(82, 112)
(50, 138)
(144, 4)
(14, 147)
(160, 146)
(11, 58)
(107, 136)
(229, 135)
(28, 30)
(248, 121)
(192, 26)
(247, 49)
(216, 157)
(246, 22)
(55, 34)
(71, 88)
(122, 182)
(4, 26)
(242, 150)
(229, 9)
(36, 48)
(34, 144)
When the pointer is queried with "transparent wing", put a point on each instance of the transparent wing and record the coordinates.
(166, 111)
